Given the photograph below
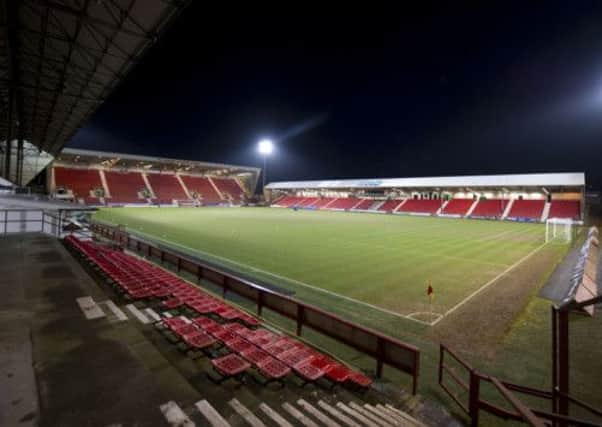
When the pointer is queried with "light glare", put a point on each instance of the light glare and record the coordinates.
(266, 147)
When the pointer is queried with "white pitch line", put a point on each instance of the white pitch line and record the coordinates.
(486, 285)
(267, 273)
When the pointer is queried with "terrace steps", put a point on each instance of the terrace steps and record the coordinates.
(508, 208)
(546, 212)
(354, 413)
(472, 208)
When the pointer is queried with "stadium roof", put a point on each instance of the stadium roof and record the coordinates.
(471, 181)
(119, 160)
(59, 60)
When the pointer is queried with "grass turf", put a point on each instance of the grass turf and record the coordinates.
(380, 260)
(342, 252)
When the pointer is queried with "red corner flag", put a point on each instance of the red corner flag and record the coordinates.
(430, 290)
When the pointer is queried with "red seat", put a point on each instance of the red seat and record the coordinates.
(199, 339)
(308, 372)
(296, 356)
(230, 365)
(238, 345)
(273, 369)
(360, 379)
(254, 355)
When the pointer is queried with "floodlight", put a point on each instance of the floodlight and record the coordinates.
(266, 147)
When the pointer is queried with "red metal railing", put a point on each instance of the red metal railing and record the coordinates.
(384, 349)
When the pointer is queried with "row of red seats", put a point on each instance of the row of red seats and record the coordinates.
(272, 354)
(532, 209)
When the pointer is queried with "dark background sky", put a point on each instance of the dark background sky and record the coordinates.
(444, 89)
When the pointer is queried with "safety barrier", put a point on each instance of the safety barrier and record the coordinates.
(385, 349)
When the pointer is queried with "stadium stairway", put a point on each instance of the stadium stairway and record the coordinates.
(472, 208)
(508, 208)
(546, 212)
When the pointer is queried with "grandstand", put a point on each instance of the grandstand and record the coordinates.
(107, 179)
(314, 310)
(526, 198)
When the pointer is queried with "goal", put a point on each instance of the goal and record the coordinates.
(560, 230)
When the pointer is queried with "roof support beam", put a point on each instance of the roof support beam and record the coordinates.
(92, 20)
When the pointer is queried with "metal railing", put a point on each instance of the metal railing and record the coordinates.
(384, 349)
(20, 220)
(475, 402)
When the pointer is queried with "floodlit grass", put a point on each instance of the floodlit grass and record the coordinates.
(385, 260)
(382, 260)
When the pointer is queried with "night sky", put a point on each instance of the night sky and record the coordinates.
(365, 93)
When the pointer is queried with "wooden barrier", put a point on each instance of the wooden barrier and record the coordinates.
(384, 349)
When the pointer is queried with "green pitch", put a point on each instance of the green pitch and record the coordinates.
(381, 260)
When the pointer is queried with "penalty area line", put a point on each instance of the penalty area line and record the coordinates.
(486, 285)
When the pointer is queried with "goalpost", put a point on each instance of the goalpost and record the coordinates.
(559, 230)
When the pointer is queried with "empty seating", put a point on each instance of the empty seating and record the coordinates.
(489, 208)
(365, 204)
(229, 188)
(565, 209)
(166, 187)
(125, 187)
(389, 205)
(202, 187)
(421, 206)
(289, 201)
(531, 209)
(323, 202)
(80, 181)
(309, 201)
(248, 346)
(457, 207)
(344, 203)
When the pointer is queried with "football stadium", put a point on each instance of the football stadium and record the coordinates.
(146, 290)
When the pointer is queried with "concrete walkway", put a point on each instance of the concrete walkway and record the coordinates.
(59, 369)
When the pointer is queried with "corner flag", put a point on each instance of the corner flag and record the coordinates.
(429, 290)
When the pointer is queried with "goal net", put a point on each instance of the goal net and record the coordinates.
(560, 230)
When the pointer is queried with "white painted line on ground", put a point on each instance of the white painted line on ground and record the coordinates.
(175, 416)
(115, 310)
(405, 416)
(337, 414)
(275, 416)
(369, 415)
(384, 415)
(152, 314)
(214, 418)
(244, 412)
(90, 309)
(390, 413)
(356, 415)
(137, 313)
(277, 276)
(486, 285)
(298, 415)
(317, 414)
